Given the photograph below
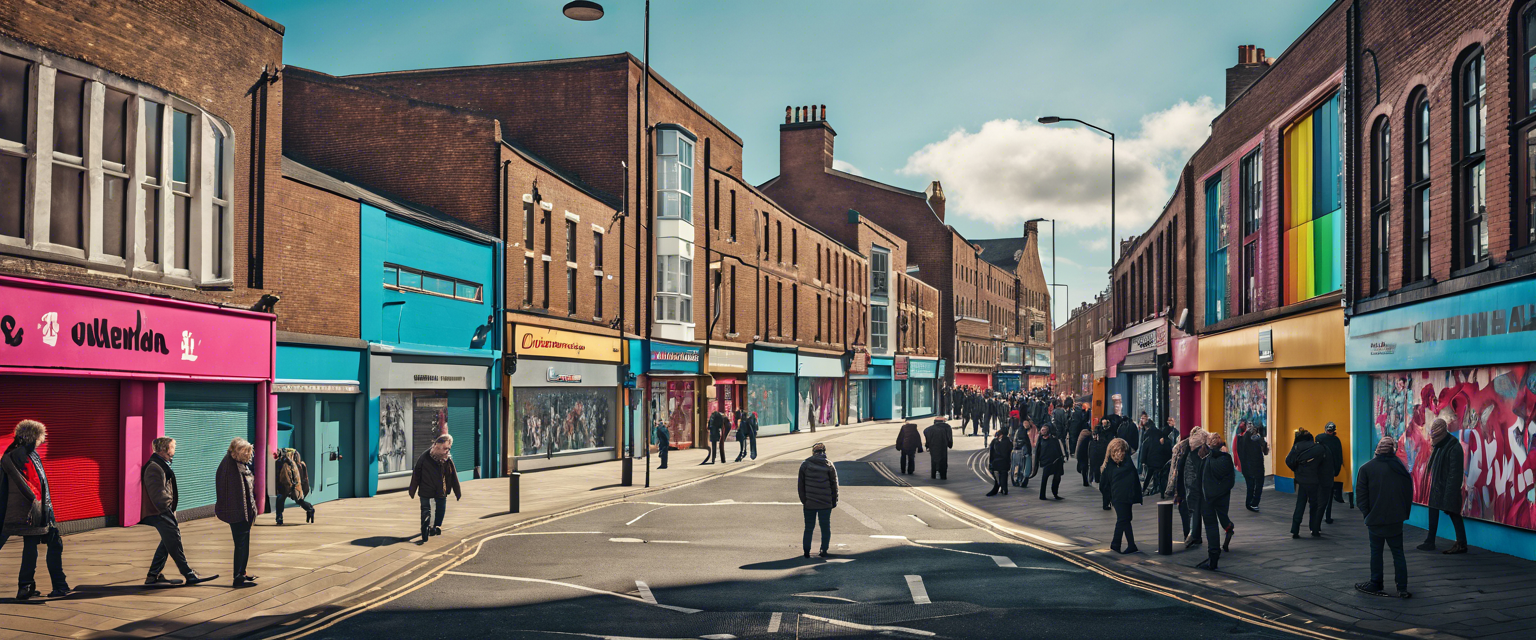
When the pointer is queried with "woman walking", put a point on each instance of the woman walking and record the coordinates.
(1121, 486)
(1084, 442)
(434, 476)
(909, 443)
(1024, 454)
(1445, 482)
(1216, 485)
(28, 510)
(235, 503)
(292, 483)
(1191, 486)
(1000, 456)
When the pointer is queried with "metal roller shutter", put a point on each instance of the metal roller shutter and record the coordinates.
(80, 455)
(461, 425)
(204, 418)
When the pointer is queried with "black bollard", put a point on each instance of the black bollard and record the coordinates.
(1165, 527)
(516, 479)
(627, 472)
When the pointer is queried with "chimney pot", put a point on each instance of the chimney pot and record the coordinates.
(823, 113)
(1259, 58)
(807, 114)
(786, 115)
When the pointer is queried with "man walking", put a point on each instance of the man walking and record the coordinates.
(1052, 454)
(1251, 446)
(663, 440)
(717, 426)
(746, 433)
(1308, 459)
(1446, 478)
(158, 510)
(1384, 493)
(1000, 456)
(818, 496)
(1332, 490)
(939, 439)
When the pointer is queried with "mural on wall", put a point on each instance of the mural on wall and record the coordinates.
(818, 402)
(1246, 401)
(672, 404)
(1489, 409)
(394, 432)
(551, 421)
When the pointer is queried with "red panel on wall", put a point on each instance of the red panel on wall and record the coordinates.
(80, 454)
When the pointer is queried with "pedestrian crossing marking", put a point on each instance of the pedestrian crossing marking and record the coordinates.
(773, 622)
(1004, 562)
(919, 592)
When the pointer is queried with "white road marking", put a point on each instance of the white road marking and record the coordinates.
(817, 595)
(556, 533)
(841, 560)
(919, 520)
(645, 592)
(867, 627)
(649, 600)
(942, 541)
(890, 537)
(637, 518)
(625, 540)
(1004, 562)
(859, 515)
(669, 542)
(919, 592)
(719, 636)
(722, 503)
(773, 622)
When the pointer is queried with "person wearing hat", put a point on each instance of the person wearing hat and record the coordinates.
(1446, 477)
(1333, 490)
(1384, 494)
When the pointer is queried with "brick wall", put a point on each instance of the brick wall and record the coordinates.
(314, 259)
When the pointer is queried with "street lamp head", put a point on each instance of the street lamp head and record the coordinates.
(1043, 119)
(583, 10)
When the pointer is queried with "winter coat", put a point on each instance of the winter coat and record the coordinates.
(1384, 494)
(1251, 449)
(1130, 434)
(158, 483)
(1000, 453)
(27, 501)
(1216, 475)
(1194, 476)
(1121, 484)
(1039, 414)
(1050, 453)
(1335, 454)
(1059, 418)
(718, 425)
(660, 436)
(292, 474)
(746, 427)
(1081, 449)
(235, 491)
(1446, 475)
(434, 479)
(1097, 447)
(939, 438)
(1155, 447)
(1309, 460)
(908, 441)
(818, 483)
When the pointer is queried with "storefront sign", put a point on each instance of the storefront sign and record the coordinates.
(1487, 326)
(540, 342)
(55, 326)
(923, 368)
(1144, 342)
(552, 376)
(427, 377)
(901, 368)
(727, 360)
(316, 387)
(1144, 360)
(674, 357)
(812, 366)
(773, 361)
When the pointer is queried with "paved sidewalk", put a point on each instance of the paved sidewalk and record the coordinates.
(353, 545)
(1477, 595)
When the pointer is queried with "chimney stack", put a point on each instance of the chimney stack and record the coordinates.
(1251, 64)
(805, 140)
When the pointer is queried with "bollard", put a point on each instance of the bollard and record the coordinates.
(1165, 527)
(627, 472)
(515, 479)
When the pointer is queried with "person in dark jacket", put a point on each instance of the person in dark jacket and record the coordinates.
(1101, 438)
(1192, 477)
(718, 425)
(1131, 433)
(975, 410)
(1080, 419)
(1384, 494)
(817, 486)
(1251, 446)
(1059, 418)
(1050, 454)
(746, 433)
(1309, 461)
(999, 458)
(27, 505)
(235, 503)
(1156, 447)
(1040, 414)
(1446, 477)
(663, 441)
(1181, 453)
(157, 508)
(1216, 476)
(909, 443)
(434, 476)
(292, 483)
(939, 439)
(1083, 443)
(1332, 489)
(1122, 488)
(1024, 437)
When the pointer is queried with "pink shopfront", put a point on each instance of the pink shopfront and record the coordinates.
(108, 372)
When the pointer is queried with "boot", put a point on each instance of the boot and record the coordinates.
(1459, 547)
(1227, 541)
(1427, 545)
(309, 516)
(60, 590)
(159, 579)
(193, 578)
(27, 592)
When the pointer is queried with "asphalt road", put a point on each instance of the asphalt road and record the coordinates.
(722, 559)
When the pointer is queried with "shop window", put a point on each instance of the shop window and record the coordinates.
(1471, 165)
(1314, 225)
(674, 174)
(1381, 202)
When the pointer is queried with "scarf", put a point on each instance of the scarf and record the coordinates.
(42, 479)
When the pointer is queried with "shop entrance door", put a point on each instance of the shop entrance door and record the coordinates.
(327, 442)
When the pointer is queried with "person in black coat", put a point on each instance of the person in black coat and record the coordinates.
(1050, 453)
(1216, 479)
(1121, 488)
(1077, 424)
(1059, 417)
(1131, 433)
(939, 438)
(718, 425)
(1384, 494)
(1040, 413)
(999, 458)
(1082, 444)
(1446, 477)
(817, 486)
(1101, 438)
(976, 411)
(746, 433)
(1333, 490)
(1251, 446)
(1309, 461)
(909, 443)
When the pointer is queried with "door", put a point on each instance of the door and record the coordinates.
(327, 460)
(899, 389)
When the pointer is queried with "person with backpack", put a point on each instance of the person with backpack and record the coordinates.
(292, 483)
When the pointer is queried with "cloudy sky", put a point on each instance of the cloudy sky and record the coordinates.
(917, 90)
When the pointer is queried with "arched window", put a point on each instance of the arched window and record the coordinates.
(1471, 167)
(1381, 202)
(1416, 229)
(1524, 62)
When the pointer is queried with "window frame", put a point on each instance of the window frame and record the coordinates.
(423, 275)
(680, 163)
(1417, 206)
(674, 290)
(1470, 167)
(1381, 205)
(1523, 60)
(1215, 252)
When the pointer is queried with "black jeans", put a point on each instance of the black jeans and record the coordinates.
(999, 480)
(1255, 490)
(811, 516)
(1313, 495)
(242, 534)
(939, 464)
(1053, 479)
(1214, 514)
(430, 519)
(908, 462)
(715, 445)
(747, 442)
(280, 500)
(1123, 526)
(662, 451)
(1196, 510)
(1456, 521)
(170, 544)
(1399, 563)
(1334, 490)
(55, 559)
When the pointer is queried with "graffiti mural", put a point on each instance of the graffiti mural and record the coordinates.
(550, 421)
(1489, 409)
(1246, 401)
(394, 431)
(819, 399)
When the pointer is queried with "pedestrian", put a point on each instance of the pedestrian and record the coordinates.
(235, 503)
(999, 457)
(1445, 483)
(1333, 489)
(739, 416)
(1181, 453)
(1077, 424)
(1131, 433)
(1101, 438)
(939, 438)
(750, 424)
(663, 440)
(1121, 488)
(1251, 446)
(1024, 453)
(27, 507)
(1050, 454)
(157, 508)
(1384, 493)
(717, 426)
(1192, 477)
(292, 483)
(434, 476)
(1084, 443)
(1308, 459)
(1216, 476)
(909, 443)
(979, 415)
(1155, 447)
(818, 496)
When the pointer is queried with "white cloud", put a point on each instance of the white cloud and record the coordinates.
(1097, 244)
(845, 167)
(1010, 171)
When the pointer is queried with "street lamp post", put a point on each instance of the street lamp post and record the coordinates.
(587, 11)
(1111, 134)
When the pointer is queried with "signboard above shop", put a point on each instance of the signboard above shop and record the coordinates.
(539, 342)
(727, 360)
(674, 357)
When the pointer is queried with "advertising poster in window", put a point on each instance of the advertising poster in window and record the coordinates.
(553, 420)
(429, 418)
(394, 432)
(672, 404)
(1247, 401)
(819, 399)
(1488, 409)
(773, 398)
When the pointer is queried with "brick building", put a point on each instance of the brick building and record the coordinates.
(1090, 322)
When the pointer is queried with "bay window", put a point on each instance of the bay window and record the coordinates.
(674, 174)
(674, 291)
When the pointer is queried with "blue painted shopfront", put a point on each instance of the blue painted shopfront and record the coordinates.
(882, 392)
(922, 388)
(771, 389)
(319, 405)
(1470, 359)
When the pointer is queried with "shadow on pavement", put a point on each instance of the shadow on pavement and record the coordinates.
(779, 565)
(382, 541)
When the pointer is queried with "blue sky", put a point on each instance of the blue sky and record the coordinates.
(917, 90)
